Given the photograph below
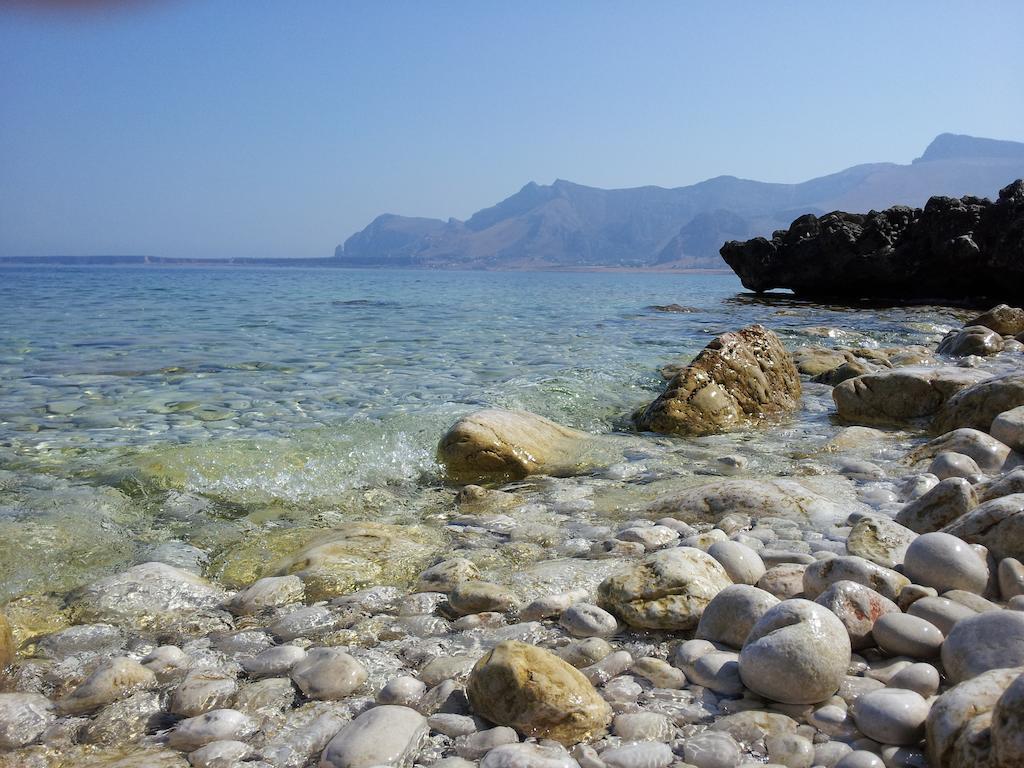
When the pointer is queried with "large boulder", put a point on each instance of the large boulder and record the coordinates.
(496, 445)
(978, 405)
(900, 253)
(537, 693)
(666, 590)
(738, 379)
(902, 395)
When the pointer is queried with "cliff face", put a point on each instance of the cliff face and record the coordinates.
(952, 249)
(565, 224)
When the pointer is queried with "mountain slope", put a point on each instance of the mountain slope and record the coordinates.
(571, 225)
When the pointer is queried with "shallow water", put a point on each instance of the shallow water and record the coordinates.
(227, 407)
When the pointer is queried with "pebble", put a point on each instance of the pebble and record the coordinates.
(551, 605)
(983, 642)
(217, 725)
(273, 662)
(743, 564)
(642, 726)
(202, 690)
(830, 753)
(900, 634)
(921, 678)
(114, 679)
(480, 596)
(718, 671)
(797, 653)
(858, 607)
(384, 735)
(1011, 577)
(475, 745)
(953, 464)
(945, 562)
(821, 574)
(528, 756)
(453, 726)
(23, 718)
(612, 665)
(270, 592)
(220, 754)
(659, 673)
(731, 614)
(860, 759)
(403, 690)
(583, 653)
(652, 537)
(1008, 428)
(941, 611)
(646, 754)
(879, 539)
(892, 716)
(446, 575)
(790, 750)
(588, 620)
(944, 503)
(784, 581)
(328, 674)
(711, 749)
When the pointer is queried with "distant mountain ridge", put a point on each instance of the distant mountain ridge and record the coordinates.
(567, 225)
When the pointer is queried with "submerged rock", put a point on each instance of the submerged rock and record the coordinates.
(537, 693)
(498, 445)
(385, 735)
(739, 378)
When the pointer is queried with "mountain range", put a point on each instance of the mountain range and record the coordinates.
(566, 225)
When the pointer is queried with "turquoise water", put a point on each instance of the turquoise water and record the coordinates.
(206, 405)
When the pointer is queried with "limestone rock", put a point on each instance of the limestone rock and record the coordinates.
(797, 653)
(666, 590)
(328, 673)
(738, 379)
(537, 693)
(972, 340)
(997, 524)
(821, 574)
(946, 502)
(945, 562)
(499, 445)
(989, 453)
(732, 613)
(978, 405)
(902, 395)
(976, 644)
(1008, 726)
(858, 607)
(880, 540)
(114, 679)
(892, 716)
(1008, 427)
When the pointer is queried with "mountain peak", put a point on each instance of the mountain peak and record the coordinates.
(957, 146)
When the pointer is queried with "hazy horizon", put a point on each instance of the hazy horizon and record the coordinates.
(186, 130)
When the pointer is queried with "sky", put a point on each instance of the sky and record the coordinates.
(249, 128)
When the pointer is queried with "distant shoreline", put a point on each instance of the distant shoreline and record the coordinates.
(326, 263)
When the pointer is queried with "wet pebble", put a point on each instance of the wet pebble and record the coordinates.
(900, 634)
(892, 716)
(273, 662)
(945, 562)
(385, 735)
(328, 673)
(588, 620)
(646, 754)
(218, 725)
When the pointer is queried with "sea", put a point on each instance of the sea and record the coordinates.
(208, 412)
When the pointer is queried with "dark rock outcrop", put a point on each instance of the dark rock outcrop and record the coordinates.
(958, 249)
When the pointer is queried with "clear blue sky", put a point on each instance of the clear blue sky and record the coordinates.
(204, 128)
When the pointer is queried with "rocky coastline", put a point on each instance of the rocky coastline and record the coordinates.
(848, 616)
(954, 249)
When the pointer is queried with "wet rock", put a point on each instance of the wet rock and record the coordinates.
(328, 674)
(940, 611)
(946, 502)
(1008, 427)
(217, 725)
(642, 726)
(797, 653)
(125, 721)
(821, 574)
(274, 662)
(473, 746)
(961, 715)
(998, 525)
(900, 634)
(731, 614)
(266, 698)
(666, 590)
(741, 563)
(920, 678)
(270, 592)
(586, 620)
(151, 595)
(498, 445)
(1002, 319)
(977, 644)
(404, 690)
(645, 754)
(114, 679)
(718, 671)
(23, 718)
(978, 405)
(359, 555)
(784, 581)
(201, 691)
(383, 735)
(949, 464)
(738, 379)
(945, 562)
(858, 607)
(652, 537)
(528, 756)
(537, 693)
(480, 596)
(81, 639)
(989, 453)
(711, 749)
(892, 716)
(1011, 577)
(880, 540)
(220, 754)
(900, 396)
(446, 575)
(972, 340)
(824, 501)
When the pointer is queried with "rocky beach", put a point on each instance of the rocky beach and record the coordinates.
(805, 551)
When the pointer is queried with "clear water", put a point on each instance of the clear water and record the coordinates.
(210, 405)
